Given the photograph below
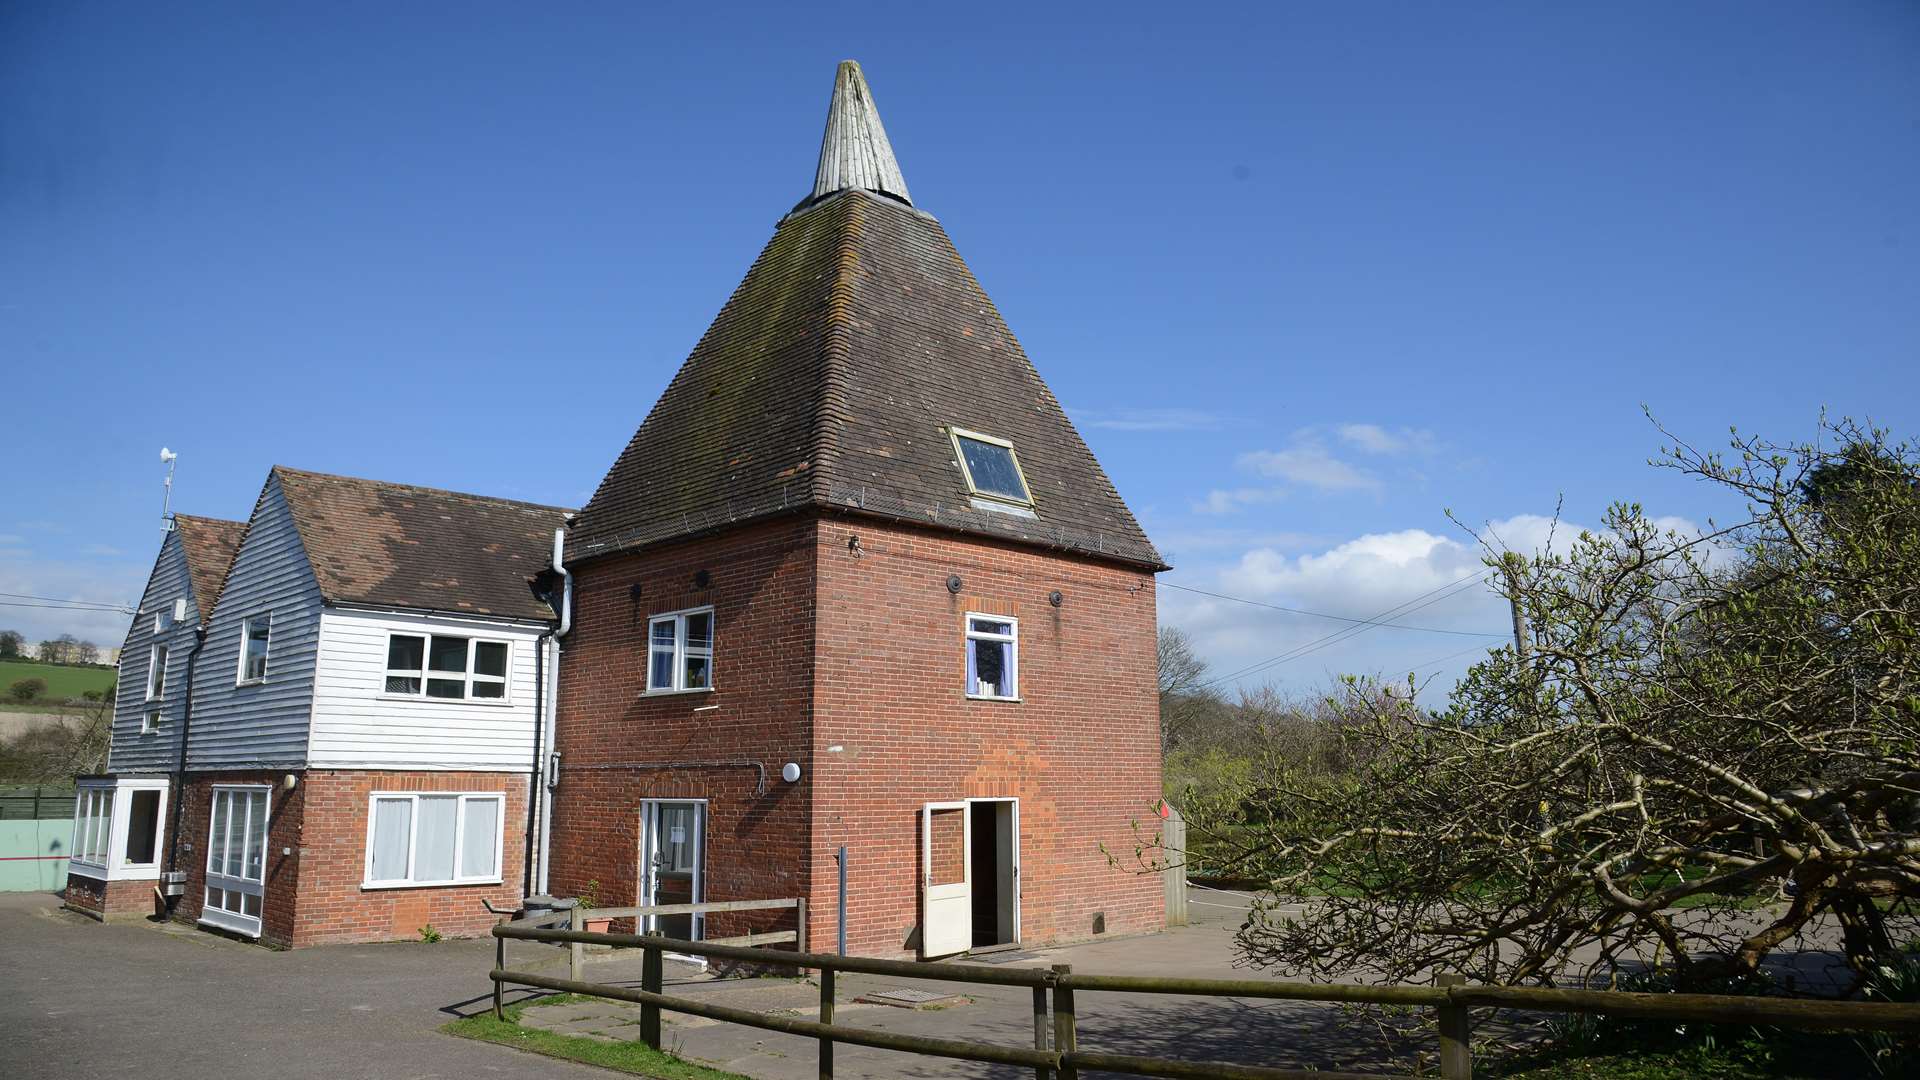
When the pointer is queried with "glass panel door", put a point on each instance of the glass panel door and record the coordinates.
(671, 864)
(236, 859)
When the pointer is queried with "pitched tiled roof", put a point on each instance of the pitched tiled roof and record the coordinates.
(209, 544)
(396, 545)
(829, 379)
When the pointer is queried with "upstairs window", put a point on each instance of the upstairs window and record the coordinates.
(157, 674)
(993, 657)
(680, 651)
(255, 635)
(441, 666)
(990, 467)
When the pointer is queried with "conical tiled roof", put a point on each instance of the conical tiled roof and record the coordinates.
(830, 380)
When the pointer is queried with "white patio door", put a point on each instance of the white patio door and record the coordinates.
(236, 859)
(946, 879)
(672, 857)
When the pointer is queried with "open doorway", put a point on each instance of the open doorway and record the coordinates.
(994, 862)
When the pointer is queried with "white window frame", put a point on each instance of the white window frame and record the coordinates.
(236, 921)
(1013, 652)
(157, 656)
(102, 812)
(467, 678)
(266, 657)
(681, 651)
(955, 434)
(93, 819)
(367, 880)
(152, 721)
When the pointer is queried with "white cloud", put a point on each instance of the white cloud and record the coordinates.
(1223, 501)
(1310, 464)
(1374, 439)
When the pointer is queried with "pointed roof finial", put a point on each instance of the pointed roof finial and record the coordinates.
(854, 152)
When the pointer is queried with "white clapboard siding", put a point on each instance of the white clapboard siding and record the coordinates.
(356, 724)
(130, 751)
(263, 724)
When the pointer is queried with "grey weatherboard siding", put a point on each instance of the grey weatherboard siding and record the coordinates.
(130, 751)
(265, 724)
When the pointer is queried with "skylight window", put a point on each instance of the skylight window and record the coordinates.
(990, 467)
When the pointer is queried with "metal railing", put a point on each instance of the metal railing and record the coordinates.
(1055, 1054)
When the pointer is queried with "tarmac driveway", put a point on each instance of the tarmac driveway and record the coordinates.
(85, 1000)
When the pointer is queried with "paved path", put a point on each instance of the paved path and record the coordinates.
(78, 999)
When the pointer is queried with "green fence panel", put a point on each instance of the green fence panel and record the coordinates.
(33, 854)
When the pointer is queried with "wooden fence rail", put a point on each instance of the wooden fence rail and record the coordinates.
(1056, 1055)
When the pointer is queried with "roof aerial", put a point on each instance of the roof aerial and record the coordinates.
(854, 152)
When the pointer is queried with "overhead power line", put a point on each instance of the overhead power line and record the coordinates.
(1326, 615)
(14, 600)
(1407, 607)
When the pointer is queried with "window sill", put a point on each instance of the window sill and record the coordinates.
(86, 869)
(251, 682)
(677, 693)
(239, 924)
(994, 697)
(376, 886)
(494, 703)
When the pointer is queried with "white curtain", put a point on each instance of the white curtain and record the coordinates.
(433, 839)
(392, 829)
(480, 839)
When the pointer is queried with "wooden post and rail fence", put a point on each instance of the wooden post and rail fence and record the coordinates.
(1055, 1053)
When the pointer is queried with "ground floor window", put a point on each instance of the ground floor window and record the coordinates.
(92, 826)
(116, 828)
(236, 858)
(433, 839)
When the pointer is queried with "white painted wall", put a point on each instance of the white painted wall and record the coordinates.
(356, 724)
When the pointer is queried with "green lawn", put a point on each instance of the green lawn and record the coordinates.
(627, 1057)
(63, 682)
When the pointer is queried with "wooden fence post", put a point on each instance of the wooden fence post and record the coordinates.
(652, 982)
(800, 929)
(499, 964)
(1456, 1049)
(826, 1017)
(576, 952)
(1064, 1039)
(1040, 1072)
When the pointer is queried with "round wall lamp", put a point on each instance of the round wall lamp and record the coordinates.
(790, 772)
(954, 583)
(1055, 598)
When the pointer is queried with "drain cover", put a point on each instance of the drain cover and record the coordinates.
(908, 998)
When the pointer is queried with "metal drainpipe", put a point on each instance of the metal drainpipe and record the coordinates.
(537, 778)
(180, 771)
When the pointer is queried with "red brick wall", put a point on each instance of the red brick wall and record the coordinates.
(285, 810)
(313, 895)
(109, 899)
(761, 586)
(333, 907)
(1081, 751)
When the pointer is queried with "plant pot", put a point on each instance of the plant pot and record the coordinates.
(598, 926)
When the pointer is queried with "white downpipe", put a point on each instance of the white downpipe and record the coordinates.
(552, 690)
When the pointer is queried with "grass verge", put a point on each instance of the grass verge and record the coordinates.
(627, 1057)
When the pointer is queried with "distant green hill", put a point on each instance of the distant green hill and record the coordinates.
(63, 682)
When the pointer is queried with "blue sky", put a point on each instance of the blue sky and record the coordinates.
(1306, 275)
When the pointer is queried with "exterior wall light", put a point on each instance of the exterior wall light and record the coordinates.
(790, 772)
(953, 583)
(1055, 598)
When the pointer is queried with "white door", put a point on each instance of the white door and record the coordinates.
(671, 858)
(946, 880)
